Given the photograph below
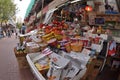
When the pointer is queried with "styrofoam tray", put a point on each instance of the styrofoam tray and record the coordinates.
(33, 57)
(30, 59)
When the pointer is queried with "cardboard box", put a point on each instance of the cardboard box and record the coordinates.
(80, 74)
(58, 63)
(59, 60)
(93, 69)
(43, 46)
(83, 57)
(32, 47)
(72, 72)
(97, 47)
(54, 73)
(36, 39)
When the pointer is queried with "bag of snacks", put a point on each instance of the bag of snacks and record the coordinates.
(77, 46)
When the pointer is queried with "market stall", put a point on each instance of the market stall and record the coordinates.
(71, 44)
(52, 42)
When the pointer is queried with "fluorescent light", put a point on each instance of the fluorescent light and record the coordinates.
(75, 1)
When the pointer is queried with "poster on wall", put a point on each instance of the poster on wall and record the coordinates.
(92, 18)
(111, 5)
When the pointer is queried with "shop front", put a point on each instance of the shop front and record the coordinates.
(74, 42)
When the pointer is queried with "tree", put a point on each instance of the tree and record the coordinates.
(19, 25)
(7, 10)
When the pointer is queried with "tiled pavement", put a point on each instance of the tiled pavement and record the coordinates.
(9, 69)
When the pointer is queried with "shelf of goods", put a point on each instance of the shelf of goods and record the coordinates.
(71, 59)
(75, 75)
(110, 17)
(81, 62)
(77, 59)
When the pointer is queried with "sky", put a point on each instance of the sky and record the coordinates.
(22, 6)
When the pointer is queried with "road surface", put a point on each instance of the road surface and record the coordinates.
(9, 68)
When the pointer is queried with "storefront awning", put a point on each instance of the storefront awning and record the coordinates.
(49, 15)
(29, 7)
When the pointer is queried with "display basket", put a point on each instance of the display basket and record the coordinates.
(37, 74)
(21, 58)
(19, 54)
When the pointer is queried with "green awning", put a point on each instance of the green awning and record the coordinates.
(29, 7)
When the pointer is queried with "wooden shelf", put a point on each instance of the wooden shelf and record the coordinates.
(101, 14)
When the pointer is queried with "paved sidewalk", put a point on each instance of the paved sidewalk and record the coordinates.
(9, 69)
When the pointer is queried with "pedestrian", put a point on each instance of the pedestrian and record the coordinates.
(9, 33)
(4, 33)
(23, 29)
(16, 32)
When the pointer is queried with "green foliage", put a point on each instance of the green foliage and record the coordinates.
(7, 9)
(19, 25)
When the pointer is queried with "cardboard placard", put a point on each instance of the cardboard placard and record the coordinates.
(59, 60)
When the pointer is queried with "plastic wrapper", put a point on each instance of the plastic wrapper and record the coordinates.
(77, 46)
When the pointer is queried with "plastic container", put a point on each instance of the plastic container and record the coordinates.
(30, 58)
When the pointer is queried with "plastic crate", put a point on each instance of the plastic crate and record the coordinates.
(34, 70)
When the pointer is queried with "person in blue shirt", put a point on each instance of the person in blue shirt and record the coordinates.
(23, 29)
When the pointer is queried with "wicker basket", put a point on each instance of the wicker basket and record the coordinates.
(21, 58)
